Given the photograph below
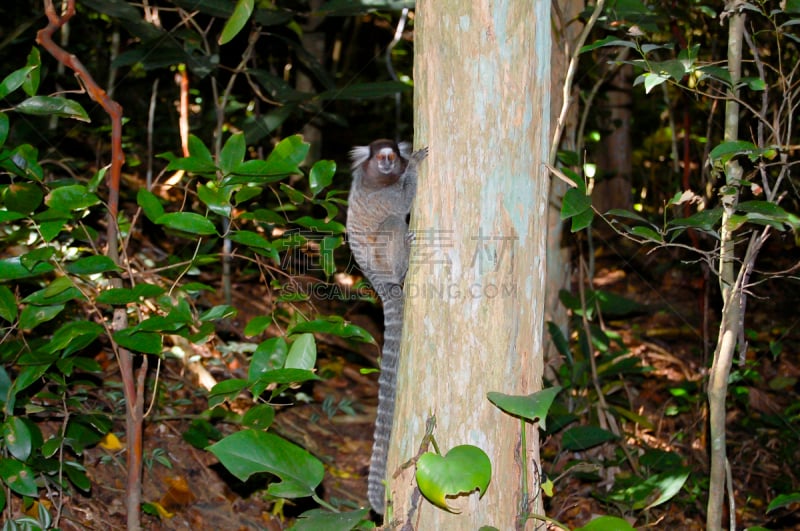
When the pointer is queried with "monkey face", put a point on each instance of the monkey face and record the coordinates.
(386, 159)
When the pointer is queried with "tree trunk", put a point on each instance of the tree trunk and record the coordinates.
(475, 287)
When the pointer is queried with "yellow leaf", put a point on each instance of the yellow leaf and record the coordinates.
(163, 513)
(547, 487)
(111, 443)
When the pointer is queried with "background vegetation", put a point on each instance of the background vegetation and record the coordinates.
(226, 325)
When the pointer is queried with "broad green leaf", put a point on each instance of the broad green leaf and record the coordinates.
(249, 452)
(726, 150)
(582, 220)
(286, 376)
(783, 500)
(268, 356)
(17, 438)
(533, 407)
(323, 520)
(665, 485)
(647, 233)
(257, 325)
(146, 342)
(222, 311)
(607, 41)
(575, 202)
(334, 325)
(91, 265)
(217, 199)
(250, 238)
(289, 153)
(585, 437)
(225, 390)
(8, 306)
(23, 197)
(259, 417)
(31, 84)
(235, 148)
(240, 16)
(463, 470)
(363, 91)
(14, 80)
(129, 295)
(607, 523)
(321, 175)
(199, 151)
(53, 106)
(71, 197)
(650, 80)
(151, 205)
(24, 161)
(187, 222)
(331, 227)
(302, 353)
(74, 336)
(18, 477)
(4, 127)
(33, 315)
(77, 475)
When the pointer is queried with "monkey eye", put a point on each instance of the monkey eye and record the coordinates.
(392, 156)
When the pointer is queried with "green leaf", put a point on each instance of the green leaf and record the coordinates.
(331, 227)
(651, 80)
(74, 336)
(259, 417)
(584, 437)
(71, 197)
(18, 477)
(575, 202)
(233, 152)
(323, 520)
(14, 80)
(321, 175)
(727, 150)
(53, 106)
(607, 523)
(364, 91)
(464, 469)
(146, 342)
(23, 197)
(31, 84)
(17, 438)
(240, 16)
(33, 315)
(268, 356)
(187, 222)
(533, 407)
(129, 295)
(783, 500)
(257, 325)
(250, 238)
(225, 390)
(217, 199)
(4, 127)
(582, 220)
(334, 325)
(8, 305)
(249, 452)
(77, 475)
(646, 233)
(288, 154)
(151, 206)
(607, 41)
(91, 265)
(222, 311)
(302, 353)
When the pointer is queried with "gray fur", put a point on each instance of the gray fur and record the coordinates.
(384, 185)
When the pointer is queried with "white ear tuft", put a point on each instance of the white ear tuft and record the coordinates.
(359, 154)
(405, 149)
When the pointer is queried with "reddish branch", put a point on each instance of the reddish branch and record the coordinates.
(114, 109)
(132, 388)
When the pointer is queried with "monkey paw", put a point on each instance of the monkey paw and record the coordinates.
(420, 154)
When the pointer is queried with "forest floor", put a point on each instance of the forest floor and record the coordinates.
(667, 335)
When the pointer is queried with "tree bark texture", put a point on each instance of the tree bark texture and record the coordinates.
(475, 287)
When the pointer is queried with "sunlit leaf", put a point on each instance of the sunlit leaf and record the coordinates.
(533, 407)
(187, 222)
(249, 452)
(463, 470)
(241, 14)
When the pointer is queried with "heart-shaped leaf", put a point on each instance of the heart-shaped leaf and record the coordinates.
(464, 469)
(533, 407)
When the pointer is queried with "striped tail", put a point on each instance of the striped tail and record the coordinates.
(392, 296)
